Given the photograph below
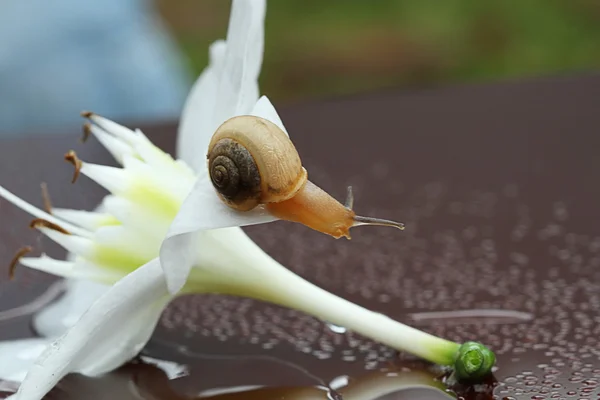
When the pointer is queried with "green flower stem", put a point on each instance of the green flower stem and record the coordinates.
(238, 267)
(470, 360)
(292, 291)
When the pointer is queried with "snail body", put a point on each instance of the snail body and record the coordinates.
(252, 163)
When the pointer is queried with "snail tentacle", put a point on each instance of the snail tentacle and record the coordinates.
(358, 221)
(349, 199)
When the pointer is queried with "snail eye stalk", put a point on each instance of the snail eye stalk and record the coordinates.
(359, 221)
(349, 198)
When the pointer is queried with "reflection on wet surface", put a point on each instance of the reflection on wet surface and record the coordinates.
(472, 317)
(502, 245)
(142, 380)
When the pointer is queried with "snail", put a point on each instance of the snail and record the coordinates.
(253, 163)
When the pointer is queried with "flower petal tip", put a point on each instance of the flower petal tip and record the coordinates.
(175, 279)
(174, 286)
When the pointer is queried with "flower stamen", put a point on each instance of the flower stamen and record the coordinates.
(40, 222)
(71, 157)
(46, 198)
(15, 260)
(87, 131)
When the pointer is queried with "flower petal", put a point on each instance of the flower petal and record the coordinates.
(238, 89)
(113, 330)
(264, 109)
(115, 180)
(89, 220)
(115, 146)
(18, 355)
(202, 210)
(228, 86)
(72, 243)
(36, 212)
(119, 131)
(55, 319)
(196, 118)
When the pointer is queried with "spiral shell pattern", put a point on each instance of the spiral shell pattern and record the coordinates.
(234, 174)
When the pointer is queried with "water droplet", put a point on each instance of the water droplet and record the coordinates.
(339, 382)
(336, 328)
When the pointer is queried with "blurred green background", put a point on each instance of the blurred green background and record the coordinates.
(319, 48)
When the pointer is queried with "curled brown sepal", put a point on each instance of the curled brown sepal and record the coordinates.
(40, 222)
(71, 157)
(15, 260)
(46, 198)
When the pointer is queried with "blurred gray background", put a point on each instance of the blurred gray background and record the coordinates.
(134, 60)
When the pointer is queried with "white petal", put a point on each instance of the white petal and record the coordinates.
(238, 88)
(196, 119)
(117, 147)
(148, 226)
(77, 268)
(136, 248)
(18, 355)
(115, 180)
(49, 265)
(123, 142)
(36, 212)
(149, 185)
(72, 243)
(229, 86)
(202, 210)
(123, 133)
(89, 220)
(55, 319)
(154, 156)
(264, 109)
(111, 332)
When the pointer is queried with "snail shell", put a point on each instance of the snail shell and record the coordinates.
(251, 161)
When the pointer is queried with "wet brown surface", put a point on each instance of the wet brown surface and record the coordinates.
(499, 188)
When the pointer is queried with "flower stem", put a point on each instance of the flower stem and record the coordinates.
(292, 291)
(471, 360)
(235, 265)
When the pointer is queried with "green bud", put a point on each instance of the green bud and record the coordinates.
(473, 361)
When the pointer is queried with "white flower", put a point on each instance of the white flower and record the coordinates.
(119, 242)
(163, 231)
